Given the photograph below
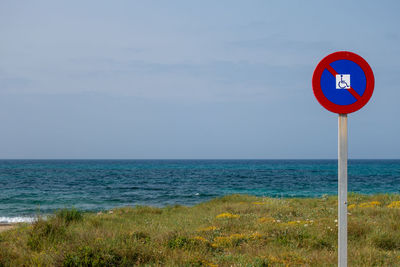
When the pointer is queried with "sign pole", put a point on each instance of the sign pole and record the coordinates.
(342, 189)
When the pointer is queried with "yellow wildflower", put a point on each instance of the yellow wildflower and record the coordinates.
(259, 203)
(220, 241)
(370, 204)
(209, 264)
(206, 229)
(237, 236)
(255, 235)
(227, 241)
(394, 204)
(200, 238)
(276, 260)
(266, 219)
(351, 206)
(227, 215)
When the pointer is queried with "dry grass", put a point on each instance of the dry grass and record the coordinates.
(234, 230)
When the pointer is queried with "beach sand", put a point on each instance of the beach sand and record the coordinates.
(5, 227)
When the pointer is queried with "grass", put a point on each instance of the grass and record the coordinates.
(235, 230)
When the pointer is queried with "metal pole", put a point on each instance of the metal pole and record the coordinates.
(342, 190)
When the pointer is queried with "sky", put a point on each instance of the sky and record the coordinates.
(190, 79)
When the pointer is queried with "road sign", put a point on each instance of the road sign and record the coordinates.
(343, 82)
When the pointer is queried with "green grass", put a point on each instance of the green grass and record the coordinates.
(235, 230)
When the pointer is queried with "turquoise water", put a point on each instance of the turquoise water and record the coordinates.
(28, 187)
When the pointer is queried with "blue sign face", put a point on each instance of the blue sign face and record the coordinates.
(344, 82)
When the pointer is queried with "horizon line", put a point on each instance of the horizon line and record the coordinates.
(166, 159)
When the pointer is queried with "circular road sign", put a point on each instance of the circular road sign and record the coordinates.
(343, 82)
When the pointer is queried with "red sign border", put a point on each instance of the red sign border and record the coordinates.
(324, 101)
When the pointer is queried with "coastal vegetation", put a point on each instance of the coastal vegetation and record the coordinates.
(236, 230)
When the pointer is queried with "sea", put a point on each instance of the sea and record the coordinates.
(32, 188)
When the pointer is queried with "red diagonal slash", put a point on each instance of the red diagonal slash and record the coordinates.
(351, 90)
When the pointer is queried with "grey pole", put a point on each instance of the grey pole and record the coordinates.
(342, 190)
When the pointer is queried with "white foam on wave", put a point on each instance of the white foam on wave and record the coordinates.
(16, 219)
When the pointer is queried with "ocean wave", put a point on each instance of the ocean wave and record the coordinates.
(4, 220)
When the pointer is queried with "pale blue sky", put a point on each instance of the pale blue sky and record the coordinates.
(190, 79)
